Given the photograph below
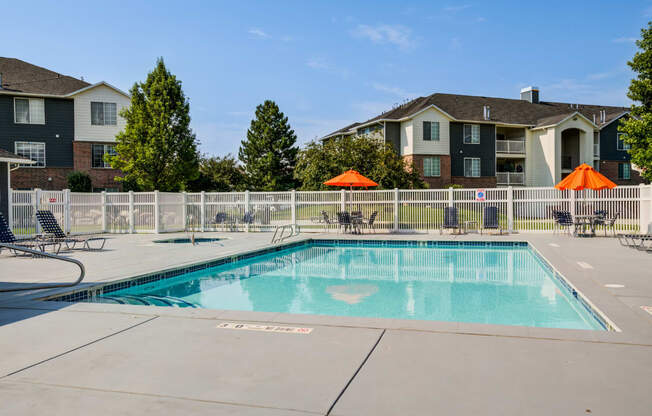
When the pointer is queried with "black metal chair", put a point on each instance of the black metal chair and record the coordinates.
(370, 222)
(344, 221)
(450, 220)
(326, 220)
(53, 232)
(563, 220)
(8, 237)
(490, 220)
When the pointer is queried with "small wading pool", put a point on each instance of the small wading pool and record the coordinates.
(506, 283)
(187, 240)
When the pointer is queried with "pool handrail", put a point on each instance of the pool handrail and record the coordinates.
(82, 269)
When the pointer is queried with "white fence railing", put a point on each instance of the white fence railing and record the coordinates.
(510, 178)
(520, 209)
(510, 146)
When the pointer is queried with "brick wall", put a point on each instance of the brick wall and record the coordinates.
(53, 179)
(609, 168)
(433, 182)
(474, 183)
(100, 177)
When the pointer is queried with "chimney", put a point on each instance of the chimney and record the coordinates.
(487, 112)
(530, 94)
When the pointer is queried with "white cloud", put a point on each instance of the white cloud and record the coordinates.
(258, 33)
(322, 64)
(455, 9)
(481, 19)
(397, 91)
(396, 35)
(624, 40)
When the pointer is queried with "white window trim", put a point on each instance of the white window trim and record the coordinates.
(464, 137)
(424, 167)
(104, 145)
(117, 110)
(479, 165)
(618, 141)
(34, 166)
(438, 132)
(30, 122)
(629, 172)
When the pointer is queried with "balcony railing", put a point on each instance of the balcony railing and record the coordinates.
(596, 150)
(510, 146)
(510, 178)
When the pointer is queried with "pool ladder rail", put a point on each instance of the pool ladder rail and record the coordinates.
(38, 253)
(279, 237)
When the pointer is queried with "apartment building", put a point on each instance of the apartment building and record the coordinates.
(61, 123)
(479, 142)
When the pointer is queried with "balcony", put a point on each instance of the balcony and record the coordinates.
(510, 178)
(510, 146)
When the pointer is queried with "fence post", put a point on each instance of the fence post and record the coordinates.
(36, 202)
(450, 196)
(246, 208)
(184, 211)
(104, 227)
(293, 199)
(157, 214)
(132, 228)
(396, 207)
(645, 208)
(202, 211)
(66, 211)
(10, 209)
(342, 200)
(510, 209)
(572, 203)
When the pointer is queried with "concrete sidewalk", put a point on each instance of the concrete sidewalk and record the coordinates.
(103, 359)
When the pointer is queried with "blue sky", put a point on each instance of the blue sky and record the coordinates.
(328, 64)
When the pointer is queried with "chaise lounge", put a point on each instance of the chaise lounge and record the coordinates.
(53, 233)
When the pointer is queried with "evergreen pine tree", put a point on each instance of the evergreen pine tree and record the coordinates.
(157, 150)
(269, 153)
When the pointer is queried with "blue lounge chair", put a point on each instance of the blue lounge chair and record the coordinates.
(450, 220)
(490, 220)
(563, 220)
(8, 237)
(53, 233)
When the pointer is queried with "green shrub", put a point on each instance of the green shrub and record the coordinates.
(79, 182)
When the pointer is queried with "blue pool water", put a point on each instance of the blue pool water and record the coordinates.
(489, 284)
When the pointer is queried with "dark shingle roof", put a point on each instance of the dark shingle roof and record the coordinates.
(8, 155)
(21, 76)
(503, 110)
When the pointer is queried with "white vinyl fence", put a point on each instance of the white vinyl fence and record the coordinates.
(520, 209)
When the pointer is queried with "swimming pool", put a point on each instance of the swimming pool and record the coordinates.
(504, 283)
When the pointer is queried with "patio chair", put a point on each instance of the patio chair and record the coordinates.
(247, 219)
(53, 232)
(450, 220)
(490, 220)
(344, 221)
(8, 237)
(608, 222)
(563, 221)
(370, 222)
(326, 220)
(223, 220)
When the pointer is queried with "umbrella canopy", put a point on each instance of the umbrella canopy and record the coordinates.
(585, 177)
(350, 178)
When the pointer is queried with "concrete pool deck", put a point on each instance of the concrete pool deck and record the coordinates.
(62, 358)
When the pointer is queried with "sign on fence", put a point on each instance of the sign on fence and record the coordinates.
(480, 195)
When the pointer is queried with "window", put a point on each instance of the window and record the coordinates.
(472, 167)
(624, 171)
(621, 143)
(103, 114)
(99, 150)
(29, 111)
(471, 134)
(32, 150)
(431, 130)
(431, 167)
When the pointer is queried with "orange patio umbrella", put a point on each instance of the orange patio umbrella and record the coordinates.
(585, 177)
(351, 178)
